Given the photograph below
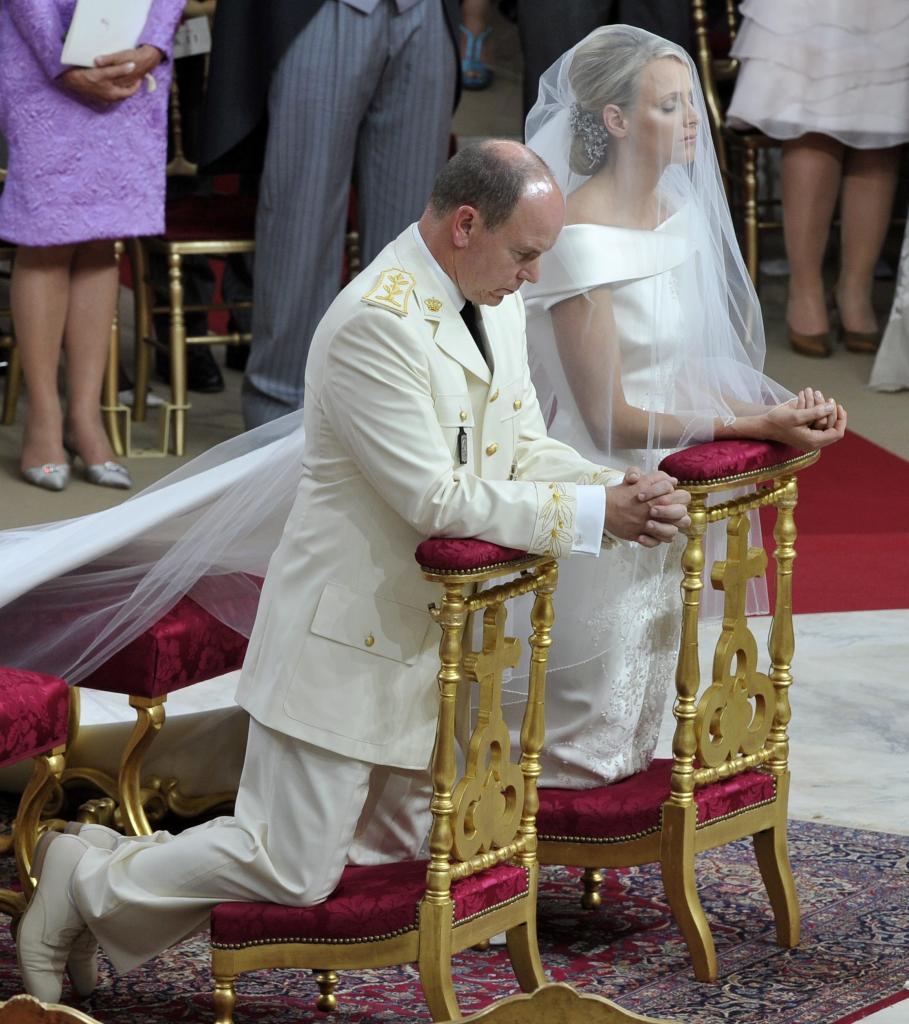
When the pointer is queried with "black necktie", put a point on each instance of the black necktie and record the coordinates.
(469, 316)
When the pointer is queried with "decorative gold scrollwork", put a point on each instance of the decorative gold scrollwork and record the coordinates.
(489, 799)
(727, 723)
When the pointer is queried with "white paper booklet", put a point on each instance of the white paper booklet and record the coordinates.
(103, 26)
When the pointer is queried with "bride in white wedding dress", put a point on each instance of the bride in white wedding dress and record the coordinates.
(645, 335)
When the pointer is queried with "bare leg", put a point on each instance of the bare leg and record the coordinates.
(39, 296)
(811, 171)
(869, 182)
(93, 300)
(475, 18)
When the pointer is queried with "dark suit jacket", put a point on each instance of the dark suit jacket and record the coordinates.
(249, 38)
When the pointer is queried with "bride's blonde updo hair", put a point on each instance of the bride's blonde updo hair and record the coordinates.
(605, 70)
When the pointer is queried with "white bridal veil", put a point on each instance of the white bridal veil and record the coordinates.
(644, 329)
(73, 593)
(653, 226)
(660, 323)
(644, 335)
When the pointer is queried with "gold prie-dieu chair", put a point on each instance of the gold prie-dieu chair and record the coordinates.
(23, 1009)
(556, 1004)
(728, 777)
(481, 876)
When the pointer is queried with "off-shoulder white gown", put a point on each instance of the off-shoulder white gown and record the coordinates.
(617, 616)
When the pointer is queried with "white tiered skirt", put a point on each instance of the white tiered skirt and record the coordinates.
(838, 67)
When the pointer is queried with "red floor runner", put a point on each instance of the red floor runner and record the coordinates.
(853, 530)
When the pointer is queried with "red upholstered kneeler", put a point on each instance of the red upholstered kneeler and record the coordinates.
(185, 646)
(34, 722)
(633, 808)
(729, 776)
(369, 904)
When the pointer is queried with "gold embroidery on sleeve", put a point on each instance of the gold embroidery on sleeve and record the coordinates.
(554, 531)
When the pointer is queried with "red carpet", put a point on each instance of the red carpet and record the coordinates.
(853, 531)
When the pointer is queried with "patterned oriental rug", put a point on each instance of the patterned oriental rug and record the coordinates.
(853, 958)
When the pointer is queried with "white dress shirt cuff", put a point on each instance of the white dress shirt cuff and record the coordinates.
(589, 519)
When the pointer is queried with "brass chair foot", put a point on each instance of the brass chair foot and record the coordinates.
(593, 879)
(327, 982)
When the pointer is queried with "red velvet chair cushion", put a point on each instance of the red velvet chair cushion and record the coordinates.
(210, 218)
(443, 554)
(183, 647)
(632, 807)
(719, 459)
(370, 903)
(34, 713)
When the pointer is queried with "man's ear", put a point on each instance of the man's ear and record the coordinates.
(465, 222)
(615, 121)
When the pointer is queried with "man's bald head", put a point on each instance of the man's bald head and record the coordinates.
(494, 210)
(491, 177)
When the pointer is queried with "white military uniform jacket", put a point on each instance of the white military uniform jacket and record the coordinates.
(344, 654)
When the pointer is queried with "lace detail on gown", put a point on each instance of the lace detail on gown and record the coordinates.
(604, 716)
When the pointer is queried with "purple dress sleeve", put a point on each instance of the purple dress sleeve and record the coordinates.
(161, 24)
(38, 23)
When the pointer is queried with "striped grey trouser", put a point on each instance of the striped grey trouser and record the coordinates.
(354, 93)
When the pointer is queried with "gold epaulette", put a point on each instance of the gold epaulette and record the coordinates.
(392, 291)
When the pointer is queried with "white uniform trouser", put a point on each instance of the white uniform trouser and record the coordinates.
(301, 815)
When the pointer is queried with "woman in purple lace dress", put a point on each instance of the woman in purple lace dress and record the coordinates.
(87, 149)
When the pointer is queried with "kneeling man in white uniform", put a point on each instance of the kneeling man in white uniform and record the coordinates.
(421, 421)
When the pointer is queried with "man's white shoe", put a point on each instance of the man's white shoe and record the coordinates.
(82, 963)
(50, 924)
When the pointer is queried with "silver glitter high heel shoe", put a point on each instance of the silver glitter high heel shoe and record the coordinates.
(52, 476)
(109, 474)
(102, 474)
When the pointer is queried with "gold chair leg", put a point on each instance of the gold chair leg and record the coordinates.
(12, 903)
(225, 998)
(771, 848)
(45, 777)
(524, 954)
(149, 719)
(142, 307)
(677, 867)
(11, 391)
(435, 961)
(110, 402)
(752, 252)
(177, 351)
(593, 879)
(327, 982)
